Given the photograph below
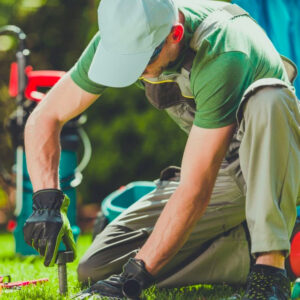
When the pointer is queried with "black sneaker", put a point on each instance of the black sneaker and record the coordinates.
(263, 283)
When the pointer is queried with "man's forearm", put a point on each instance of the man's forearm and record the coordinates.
(188, 203)
(42, 151)
(173, 228)
(42, 132)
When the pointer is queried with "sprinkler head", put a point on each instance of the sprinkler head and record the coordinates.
(63, 258)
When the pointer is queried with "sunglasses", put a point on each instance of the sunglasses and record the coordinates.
(156, 52)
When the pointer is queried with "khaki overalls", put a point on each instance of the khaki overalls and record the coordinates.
(259, 181)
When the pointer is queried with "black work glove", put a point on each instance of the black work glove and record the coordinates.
(48, 225)
(129, 284)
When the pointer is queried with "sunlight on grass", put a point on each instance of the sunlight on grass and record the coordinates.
(31, 267)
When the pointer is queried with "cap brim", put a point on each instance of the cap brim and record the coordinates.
(117, 70)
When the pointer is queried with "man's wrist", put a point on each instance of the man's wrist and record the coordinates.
(48, 198)
(151, 270)
(138, 277)
(46, 190)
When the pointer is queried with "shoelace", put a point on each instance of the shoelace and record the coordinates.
(261, 286)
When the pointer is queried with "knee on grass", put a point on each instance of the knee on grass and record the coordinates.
(94, 269)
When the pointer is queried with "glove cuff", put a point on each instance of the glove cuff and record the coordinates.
(137, 278)
(48, 198)
(136, 269)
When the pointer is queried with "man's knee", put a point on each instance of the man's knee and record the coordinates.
(86, 271)
(95, 268)
(109, 251)
(83, 272)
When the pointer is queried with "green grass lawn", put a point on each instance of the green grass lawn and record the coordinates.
(28, 268)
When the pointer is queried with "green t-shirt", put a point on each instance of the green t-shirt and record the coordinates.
(228, 60)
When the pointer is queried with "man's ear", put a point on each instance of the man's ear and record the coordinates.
(177, 33)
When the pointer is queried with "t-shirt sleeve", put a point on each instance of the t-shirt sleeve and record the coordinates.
(79, 72)
(218, 85)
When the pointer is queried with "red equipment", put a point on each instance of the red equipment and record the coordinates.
(5, 282)
(35, 80)
(295, 255)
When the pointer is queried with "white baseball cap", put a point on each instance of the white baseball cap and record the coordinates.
(130, 31)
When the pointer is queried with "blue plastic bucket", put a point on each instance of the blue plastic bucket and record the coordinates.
(116, 202)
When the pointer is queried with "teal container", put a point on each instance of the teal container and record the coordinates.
(67, 166)
(296, 290)
(116, 202)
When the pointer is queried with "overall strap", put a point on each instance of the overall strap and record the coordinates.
(228, 12)
(213, 21)
(235, 10)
